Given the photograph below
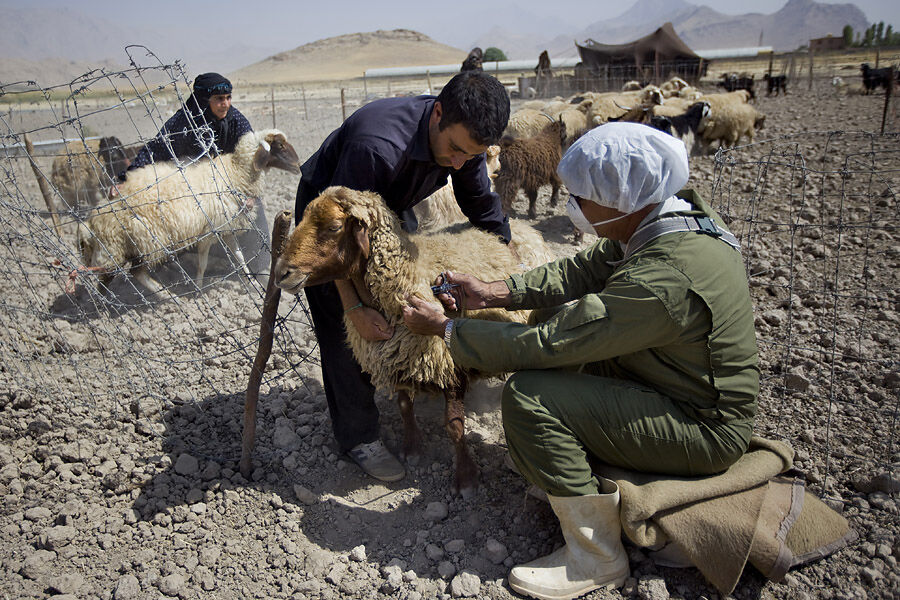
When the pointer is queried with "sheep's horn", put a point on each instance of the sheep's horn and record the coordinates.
(620, 106)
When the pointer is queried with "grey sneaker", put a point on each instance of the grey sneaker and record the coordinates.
(377, 461)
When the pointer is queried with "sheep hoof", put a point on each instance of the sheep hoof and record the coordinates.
(467, 491)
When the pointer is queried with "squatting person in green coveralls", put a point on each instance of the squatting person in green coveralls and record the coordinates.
(648, 360)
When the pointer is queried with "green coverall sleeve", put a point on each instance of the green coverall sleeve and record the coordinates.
(564, 279)
(625, 317)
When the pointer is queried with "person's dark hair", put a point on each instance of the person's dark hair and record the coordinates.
(479, 102)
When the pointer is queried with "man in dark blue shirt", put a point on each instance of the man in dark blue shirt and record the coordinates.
(402, 149)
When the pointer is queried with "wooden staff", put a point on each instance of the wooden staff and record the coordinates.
(266, 334)
(42, 183)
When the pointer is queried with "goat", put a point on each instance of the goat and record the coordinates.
(734, 81)
(684, 126)
(875, 78)
(776, 83)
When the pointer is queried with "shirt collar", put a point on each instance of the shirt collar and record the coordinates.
(420, 148)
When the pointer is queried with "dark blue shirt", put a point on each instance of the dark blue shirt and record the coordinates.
(190, 135)
(383, 147)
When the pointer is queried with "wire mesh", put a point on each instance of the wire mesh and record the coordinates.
(111, 344)
(817, 214)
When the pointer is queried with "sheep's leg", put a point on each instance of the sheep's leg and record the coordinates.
(142, 274)
(231, 242)
(466, 478)
(507, 195)
(412, 435)
(554, 195)
(532, 194)
(202, 259)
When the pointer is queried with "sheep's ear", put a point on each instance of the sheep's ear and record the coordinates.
(361, 233)
(261, 158)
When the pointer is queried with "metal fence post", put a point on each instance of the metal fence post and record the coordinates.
(273, 109)
(888, 92)
(305, 110)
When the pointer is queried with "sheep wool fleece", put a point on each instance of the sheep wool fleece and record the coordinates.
(653, 367)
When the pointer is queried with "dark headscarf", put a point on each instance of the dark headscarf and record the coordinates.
(205, 86)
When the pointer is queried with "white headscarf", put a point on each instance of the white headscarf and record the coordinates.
(625, 166)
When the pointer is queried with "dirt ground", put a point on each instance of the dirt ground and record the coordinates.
(121, 415)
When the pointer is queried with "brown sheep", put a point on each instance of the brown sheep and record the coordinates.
(529, 163)
(352, 235)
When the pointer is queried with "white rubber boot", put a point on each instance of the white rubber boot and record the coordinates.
(593, 556)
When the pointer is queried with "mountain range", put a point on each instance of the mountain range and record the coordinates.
(54, 45)
(701, 28)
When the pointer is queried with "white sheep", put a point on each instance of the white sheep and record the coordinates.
(346, 234)
(440, 208)
(163, 208)
(673, 86)
(527, 122)
(578, 119)
(730, 122)
(611, 105)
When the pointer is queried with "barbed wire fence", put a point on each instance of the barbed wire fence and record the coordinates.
(816, 214)
(115, 346)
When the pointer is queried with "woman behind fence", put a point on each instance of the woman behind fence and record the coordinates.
(207, 125)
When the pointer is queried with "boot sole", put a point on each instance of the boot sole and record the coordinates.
(522, 589)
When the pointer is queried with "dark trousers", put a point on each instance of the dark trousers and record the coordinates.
(349, 391)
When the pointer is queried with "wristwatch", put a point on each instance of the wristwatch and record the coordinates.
(448, 331)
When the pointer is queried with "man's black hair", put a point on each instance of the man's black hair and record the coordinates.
(479, 102)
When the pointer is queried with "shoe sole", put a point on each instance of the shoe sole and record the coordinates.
(522, 589)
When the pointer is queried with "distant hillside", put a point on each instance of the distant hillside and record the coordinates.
(55, 45)
(348, 56)
(701, 27)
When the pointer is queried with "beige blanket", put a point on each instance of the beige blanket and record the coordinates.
(749, 512)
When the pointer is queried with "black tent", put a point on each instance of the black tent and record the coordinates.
(657, 56)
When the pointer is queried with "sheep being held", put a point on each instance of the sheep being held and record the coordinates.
(162, 208)
(352, 235)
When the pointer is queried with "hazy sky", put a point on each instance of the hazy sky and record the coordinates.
(290, 23)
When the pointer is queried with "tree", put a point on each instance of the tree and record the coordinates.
(848, 35)
(493, 53)
(869, 37)
(879, 33)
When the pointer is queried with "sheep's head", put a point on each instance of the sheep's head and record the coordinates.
(113, 155)
(274, 152)
(330, 242)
